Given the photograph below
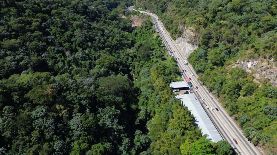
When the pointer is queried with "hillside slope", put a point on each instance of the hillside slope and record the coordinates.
(230, 32)
(77, 78)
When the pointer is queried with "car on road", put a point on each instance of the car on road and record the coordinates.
(235, 141)
(176, 90)
(190, 84)
(215, 109)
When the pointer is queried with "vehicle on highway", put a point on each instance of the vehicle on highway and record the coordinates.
(190, 84)
(235, 141)
(215, 109)
(186, 63)
(176, 90)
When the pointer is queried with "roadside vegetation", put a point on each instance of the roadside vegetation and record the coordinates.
(229, 30)
(170, 126)
(76, 78)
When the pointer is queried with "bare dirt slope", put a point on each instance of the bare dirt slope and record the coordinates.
(188, 42)
(137, 21)
(263, 70)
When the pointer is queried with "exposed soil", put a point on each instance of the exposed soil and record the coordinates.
(263, 70)
(188, 42)
(137, 21)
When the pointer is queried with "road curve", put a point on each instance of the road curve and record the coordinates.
(224, 123)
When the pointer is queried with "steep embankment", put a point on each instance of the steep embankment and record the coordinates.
(231, 32)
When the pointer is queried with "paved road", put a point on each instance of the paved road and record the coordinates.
(225, 124)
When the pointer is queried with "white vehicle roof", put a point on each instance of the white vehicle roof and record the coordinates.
(179, 84)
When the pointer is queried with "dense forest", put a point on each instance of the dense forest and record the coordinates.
(229, 30)
(76, 78)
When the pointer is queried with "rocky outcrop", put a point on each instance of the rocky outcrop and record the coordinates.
(263, 70)
(188, 42)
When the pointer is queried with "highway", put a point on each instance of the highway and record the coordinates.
(224, 123)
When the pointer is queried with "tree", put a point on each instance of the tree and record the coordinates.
(248, 89)
(41, 94)
(215, 57)
(99, 149)
(224, 148)
(185, 148)
(200, 146)
(114, 90)
(79, 147)
(141, 141)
